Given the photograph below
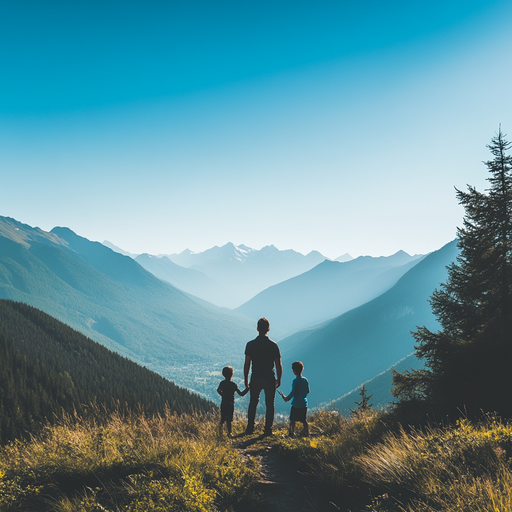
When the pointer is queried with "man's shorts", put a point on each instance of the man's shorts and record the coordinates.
(226, 412)
(298, 413)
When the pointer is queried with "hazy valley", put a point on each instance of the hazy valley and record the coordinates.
(347, 320)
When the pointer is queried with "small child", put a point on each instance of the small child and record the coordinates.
(300, 389)
(227, 390)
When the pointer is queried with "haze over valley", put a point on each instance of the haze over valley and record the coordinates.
(134, 305)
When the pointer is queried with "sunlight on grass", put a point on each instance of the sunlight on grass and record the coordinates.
(132, 463)
(461, 468)
(124, 462)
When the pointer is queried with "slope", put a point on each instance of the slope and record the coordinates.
(328, 290)
(46, 368)
(379, 387)
(186, 279)
(113, 300)
(358, 345)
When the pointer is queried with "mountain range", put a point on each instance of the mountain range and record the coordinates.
(229, 275)
(113, 300)
(328, 290)
(353, 348)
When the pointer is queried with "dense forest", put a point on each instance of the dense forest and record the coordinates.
(47, 368)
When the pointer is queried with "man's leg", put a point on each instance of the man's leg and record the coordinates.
(254, 393)
(270, 395)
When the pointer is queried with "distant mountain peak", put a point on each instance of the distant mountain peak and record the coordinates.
(344, 257)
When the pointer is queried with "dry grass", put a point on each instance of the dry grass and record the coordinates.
(450, 469)
(132, 462)
(124, 462)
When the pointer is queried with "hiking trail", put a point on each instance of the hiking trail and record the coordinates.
(281, 487)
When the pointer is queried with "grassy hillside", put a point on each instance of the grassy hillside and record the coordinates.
(136, 463)
(47, 368)
(355, 347)
(113, 300)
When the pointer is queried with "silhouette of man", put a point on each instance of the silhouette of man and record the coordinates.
(263, 354)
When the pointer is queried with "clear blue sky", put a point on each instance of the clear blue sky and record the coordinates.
(339, 126)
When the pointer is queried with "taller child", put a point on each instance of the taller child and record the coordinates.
(263, 354)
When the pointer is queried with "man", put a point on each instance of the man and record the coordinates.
(263, 354)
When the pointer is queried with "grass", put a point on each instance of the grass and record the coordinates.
(133, 462)
(125, 462)
(466, 467)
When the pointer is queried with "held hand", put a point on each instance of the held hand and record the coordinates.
(278, 383)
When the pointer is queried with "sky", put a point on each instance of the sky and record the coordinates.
(333, 125)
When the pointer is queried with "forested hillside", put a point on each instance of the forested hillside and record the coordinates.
(113, 300)
(46, 368)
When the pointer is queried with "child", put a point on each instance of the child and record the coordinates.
(227, 390)
(300, 388)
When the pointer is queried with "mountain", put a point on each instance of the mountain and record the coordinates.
(379, 387)
(47, 368)
(344, 257)
(110, 245)
(113, 300)
(186, 279)
(358, 345)
(238, 273)
(326, 291)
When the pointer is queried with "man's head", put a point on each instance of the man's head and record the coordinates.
(297, 368)
(263, 326)
(227, 372)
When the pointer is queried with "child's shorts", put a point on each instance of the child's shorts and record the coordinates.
(226, 412)
(298, 413)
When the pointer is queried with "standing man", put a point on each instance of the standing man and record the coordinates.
(263, 353)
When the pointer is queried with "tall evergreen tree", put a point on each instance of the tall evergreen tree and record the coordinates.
(469, 361)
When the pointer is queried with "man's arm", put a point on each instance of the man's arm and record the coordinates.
(247, 367)
(279, 371)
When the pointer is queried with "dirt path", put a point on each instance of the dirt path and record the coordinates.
(281, 487)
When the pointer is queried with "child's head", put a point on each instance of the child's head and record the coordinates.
(227, 372)
(297, 368)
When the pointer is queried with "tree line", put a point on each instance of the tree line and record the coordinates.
(47, 368)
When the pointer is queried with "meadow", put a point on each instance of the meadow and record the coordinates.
(135, 462)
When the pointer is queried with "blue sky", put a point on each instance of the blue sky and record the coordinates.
(330, 125)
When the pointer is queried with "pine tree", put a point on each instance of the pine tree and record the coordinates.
(363, 405)
(469, 361)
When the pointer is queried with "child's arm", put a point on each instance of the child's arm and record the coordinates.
(290, 396)
(219, 390)
(285, 398)
(244, 392)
